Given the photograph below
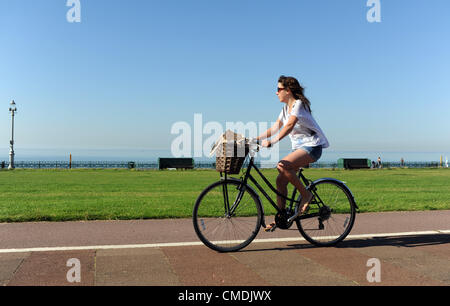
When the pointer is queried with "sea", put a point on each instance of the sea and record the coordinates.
(152, 155)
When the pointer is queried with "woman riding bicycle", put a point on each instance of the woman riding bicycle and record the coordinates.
(306, 136)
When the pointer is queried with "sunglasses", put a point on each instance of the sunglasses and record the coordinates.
(280, 89)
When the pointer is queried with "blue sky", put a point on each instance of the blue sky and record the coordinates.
(131, 69)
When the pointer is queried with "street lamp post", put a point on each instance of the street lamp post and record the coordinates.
(12, 109)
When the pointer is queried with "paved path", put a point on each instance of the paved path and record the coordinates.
(411, 248)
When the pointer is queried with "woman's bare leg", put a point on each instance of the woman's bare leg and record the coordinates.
(287, 169)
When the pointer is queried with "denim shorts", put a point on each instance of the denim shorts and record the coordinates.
(314, 152)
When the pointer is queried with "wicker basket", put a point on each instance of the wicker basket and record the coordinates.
(231, 150)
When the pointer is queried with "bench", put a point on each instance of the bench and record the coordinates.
(178, 163)
(354, 163)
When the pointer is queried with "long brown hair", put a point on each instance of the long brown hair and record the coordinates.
(296, 89)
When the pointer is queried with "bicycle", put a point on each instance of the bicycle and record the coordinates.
(226, 226)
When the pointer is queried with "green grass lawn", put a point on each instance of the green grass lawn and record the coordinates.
(88, 194)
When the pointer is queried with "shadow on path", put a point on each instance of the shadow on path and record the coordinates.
(400, 241)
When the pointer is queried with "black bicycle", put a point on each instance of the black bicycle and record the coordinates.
(228, 214)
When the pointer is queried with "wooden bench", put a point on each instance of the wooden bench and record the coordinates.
(354, 163)
(178, 163)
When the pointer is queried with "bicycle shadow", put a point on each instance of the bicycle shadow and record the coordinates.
(399, 241)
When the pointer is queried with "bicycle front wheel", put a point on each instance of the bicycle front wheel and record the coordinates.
(334, 212)
(227, 216)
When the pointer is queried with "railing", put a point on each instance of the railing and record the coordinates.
(81, 164)
(197, 165)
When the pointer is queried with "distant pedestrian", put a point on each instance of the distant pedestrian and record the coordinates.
(380, 165)
(402, 162)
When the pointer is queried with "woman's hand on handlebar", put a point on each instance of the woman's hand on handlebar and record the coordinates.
(266, 143)
(262, 143)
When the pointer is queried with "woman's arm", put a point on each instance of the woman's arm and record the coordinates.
(285, 131)
(271, 131)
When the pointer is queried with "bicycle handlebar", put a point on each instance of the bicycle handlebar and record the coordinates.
(255, 144)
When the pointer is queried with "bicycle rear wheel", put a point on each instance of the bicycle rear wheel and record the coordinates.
(227, 216)
(334, 214)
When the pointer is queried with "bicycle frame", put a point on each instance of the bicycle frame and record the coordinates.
(248, 177)
(237, 226)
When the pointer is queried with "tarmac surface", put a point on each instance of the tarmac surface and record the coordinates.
(391, 248)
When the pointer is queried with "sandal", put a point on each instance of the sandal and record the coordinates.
(271, 227)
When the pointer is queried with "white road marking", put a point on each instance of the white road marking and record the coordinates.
(194, 243)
